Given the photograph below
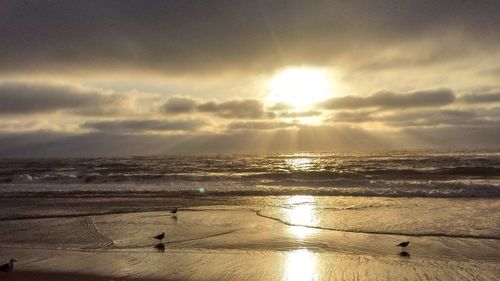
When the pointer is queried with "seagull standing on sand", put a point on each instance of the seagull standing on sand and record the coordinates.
(8, 266)
(173, 213)
(160, 236)
(403, 244)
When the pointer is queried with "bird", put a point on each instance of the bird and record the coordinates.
(8, 266)
(173, 213)
(403, 244)
(160, 236)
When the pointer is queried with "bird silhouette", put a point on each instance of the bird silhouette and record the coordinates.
(160, 236)
(403, 244)
(404, 254)
(8, 266)
(160, 247)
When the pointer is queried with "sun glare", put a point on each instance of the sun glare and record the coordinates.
(300, 265)
(299, 87)
(301, 214)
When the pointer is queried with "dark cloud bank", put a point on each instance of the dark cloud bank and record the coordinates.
(140, 126)
(427, 119)
(203, 36)
(390, 100)
(32, 98)
(341, 138)
(427, 108)
(214, 37)
(233, 109)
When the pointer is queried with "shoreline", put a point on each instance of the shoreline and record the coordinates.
(62, 276)
(208, 265)
(234, 241)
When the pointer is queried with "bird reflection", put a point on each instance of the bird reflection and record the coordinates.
(404, 254)
(160, 247)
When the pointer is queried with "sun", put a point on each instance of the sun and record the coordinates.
(299, 87)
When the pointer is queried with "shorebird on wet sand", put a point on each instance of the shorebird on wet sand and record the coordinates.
(8, 266)
(173, 213)
(403, 244)
(160, 236)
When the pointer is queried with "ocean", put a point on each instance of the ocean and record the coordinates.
(351, 208)
(397, 174)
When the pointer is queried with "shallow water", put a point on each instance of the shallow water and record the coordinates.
(306, 219)
(419, 216)
(250, 238)
(334, 217)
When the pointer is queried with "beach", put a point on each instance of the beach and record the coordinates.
(258, 238)
(271, 217)
(249, 140)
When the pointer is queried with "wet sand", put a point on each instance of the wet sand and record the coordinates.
(225, 242)
(299, 264)
(51, 276)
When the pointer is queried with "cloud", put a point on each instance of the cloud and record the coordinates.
(423, 118)
(140, 126)
(30, 98)
(430, 118)
(305, 138)
(259, 125)
(232, 109)
(391, 100)
(165, 36)
(242, 109)
(18, 125)
(218, 50)
(481, 98)
(178, 105)
(281, 106)
(353, 116)
(463, 137)
(296, 114)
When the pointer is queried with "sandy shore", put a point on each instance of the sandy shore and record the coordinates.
(235, 243)
(300, 264)
(51, 276)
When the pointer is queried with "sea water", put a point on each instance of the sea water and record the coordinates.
(452, 195)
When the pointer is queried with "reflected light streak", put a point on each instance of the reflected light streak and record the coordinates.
(300, 265)
(302, 164)
(301, 214)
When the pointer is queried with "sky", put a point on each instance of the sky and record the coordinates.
(119, 78)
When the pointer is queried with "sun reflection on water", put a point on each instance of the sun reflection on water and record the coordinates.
(300, 215)
(301, 164)
(300, 265)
